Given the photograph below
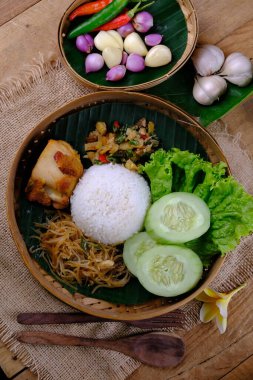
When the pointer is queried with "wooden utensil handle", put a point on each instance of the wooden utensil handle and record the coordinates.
(56, 318)
(40, 337)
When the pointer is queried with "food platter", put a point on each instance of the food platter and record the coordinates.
(175, 20)
(72, 123)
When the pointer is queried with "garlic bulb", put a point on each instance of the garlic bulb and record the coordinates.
(134, 44)
(108, 39)
(158, 55)
(207, 59)
(112, 56)
(208, 89)
(237, 69)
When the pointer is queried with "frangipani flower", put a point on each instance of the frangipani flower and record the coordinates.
(215, 306)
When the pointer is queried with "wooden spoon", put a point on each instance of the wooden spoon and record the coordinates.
(155, 349)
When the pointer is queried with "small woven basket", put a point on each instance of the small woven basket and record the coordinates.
(189, 31)
(29, 147)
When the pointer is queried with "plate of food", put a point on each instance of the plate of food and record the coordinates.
(130, 45)
(123, 206)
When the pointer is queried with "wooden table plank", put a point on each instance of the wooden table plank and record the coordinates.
(12, 8)
(27, 375)
(244, 371)
(209, 355)
(218, 19)
(9, 364)
(239, 40)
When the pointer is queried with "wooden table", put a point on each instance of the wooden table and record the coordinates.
(229, 24)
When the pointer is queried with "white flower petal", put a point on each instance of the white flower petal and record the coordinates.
(221, 323)
(223, 307)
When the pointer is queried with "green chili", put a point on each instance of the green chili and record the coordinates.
(100, 18)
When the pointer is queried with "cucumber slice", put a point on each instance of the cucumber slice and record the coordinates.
(134, 247)
(169, 270)
(177, 218)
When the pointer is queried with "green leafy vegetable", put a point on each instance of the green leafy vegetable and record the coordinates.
(230, 205)
(159, 171)
(231, 214)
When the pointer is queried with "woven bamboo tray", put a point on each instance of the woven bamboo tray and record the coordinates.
(177, 119)
(176, 20)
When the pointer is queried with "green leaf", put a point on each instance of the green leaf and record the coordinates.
(231, 214)
(178, 90)
(159, 171)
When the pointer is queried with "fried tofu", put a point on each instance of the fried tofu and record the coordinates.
(55, 175)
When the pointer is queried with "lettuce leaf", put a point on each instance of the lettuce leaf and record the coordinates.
(159, 171)
(230, 205)
(231, 214)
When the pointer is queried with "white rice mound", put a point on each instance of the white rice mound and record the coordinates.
(109, 203)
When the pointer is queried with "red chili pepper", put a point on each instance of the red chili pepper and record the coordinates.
(122, 19)
(89, 8)
(103, 158)
(116, 23)
(116, 124)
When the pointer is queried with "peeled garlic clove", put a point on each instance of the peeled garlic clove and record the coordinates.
(208, 89)
(105, 39)
(134, 44)
(237, 69)
(112, 56)
(207, 59)
(114, 34)
(158, 55)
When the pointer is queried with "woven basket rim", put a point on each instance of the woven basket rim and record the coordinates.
(192, 37)
(83, 303)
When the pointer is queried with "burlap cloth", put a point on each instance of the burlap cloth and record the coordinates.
(40, 90)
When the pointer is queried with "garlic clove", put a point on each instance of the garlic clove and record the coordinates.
(237, 69)
(208, 89)
(158, 55)
(114, 34)
(112, 56)
(241, 80)
(105, 39)
(134, 44)
(207, 59)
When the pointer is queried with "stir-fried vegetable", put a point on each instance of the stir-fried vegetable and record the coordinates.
(122, 143)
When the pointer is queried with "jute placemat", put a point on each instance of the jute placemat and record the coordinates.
(23, 103)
